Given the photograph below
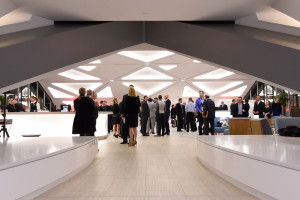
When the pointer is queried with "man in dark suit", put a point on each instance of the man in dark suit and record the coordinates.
(167, 114)
(223, 106)
(145, 114)
(209, 115)
(125, 126)
(179, 112)
(232, 107)
(259, 107)
(239, 108)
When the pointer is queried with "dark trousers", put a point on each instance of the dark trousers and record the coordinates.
(161, 124)
(87, 134)
(144, 124)
(167, 126)
(190, 120)
(180, 122)
(207, 122)
(125, 131)
(200, 120)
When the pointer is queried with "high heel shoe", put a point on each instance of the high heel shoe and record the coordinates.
(134, 143)
(130, 144)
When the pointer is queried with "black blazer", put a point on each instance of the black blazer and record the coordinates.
(84, 120)
(178, 109)
(224, 107)
(145, 109)
(247, 108)
(167, 107)
(122, 110)
(232, 109)
(260, 108)
(209, 106)
(131, 105)
(236, 110)
(11, 108)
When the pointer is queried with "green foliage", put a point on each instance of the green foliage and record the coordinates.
(283, 98)
(2, 100)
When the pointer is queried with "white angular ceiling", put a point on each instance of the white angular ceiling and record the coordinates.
(189, 92)
(236, 92)
(59, 94)
(214, 88)
(105, 93)
(77, 75)
(148, 88)
(146, 56)
(147, 73)
(73, 87)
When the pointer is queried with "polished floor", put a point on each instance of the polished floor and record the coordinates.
(157, 168)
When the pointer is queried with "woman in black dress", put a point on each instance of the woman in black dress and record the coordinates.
(116, 118)
(268, 109)
(84, 121)
(173, 116)
(131, 110)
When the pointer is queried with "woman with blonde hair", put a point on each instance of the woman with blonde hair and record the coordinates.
(131, 111)
(116, 118)
(35, 104)
(84, 117)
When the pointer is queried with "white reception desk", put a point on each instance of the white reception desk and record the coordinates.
(51, 124)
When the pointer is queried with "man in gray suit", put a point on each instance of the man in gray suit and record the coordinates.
(145, 113)
(151, 120)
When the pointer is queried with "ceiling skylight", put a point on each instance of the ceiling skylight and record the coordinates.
(167, 67)
(235, 93)
(74, 87)
(76, 75)
(197, 61)
(87, 67)
(189, 92)
(148, 88)
(147, 73)
(214, 88)
(58, 94)
(95, 62)
(216, 74)
(105, 93)
(146, 56)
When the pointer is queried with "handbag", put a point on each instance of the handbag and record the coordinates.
(290, 131)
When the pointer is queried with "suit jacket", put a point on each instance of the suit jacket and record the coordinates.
(178, 109)
(260, 108)
(145, 109)
(11, 108)
(209, 106)
(167, 107)
(236, 110)
(131, 105)
(232, 109)
(224, 107)
(247, 108)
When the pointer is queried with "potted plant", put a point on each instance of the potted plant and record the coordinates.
(283, 100)
(1, 100)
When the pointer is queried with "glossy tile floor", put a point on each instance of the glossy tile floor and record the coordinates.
(157, 168)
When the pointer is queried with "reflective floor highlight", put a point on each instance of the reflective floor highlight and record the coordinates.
(157, 168)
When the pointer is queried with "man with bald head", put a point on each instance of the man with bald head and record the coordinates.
(167, 114)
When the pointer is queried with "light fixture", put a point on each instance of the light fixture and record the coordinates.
(147, 73)
(182, 80)
(105, 93)
(148, 88)
(74, 87)
(167, 67)
(189, 92)
(216, 74)
(87, 67)
(96, 62)
(214, 88)
(196, 61)
(76, 75)
(58, 94)
(111, 81)
(235, 93)
(146, 56)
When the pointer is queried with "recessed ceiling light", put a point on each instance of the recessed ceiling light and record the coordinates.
(216, 74)
(74, 87)
(96, 62)
(105, 93)
(76, 75)
(167, 67)
(146, 56)
(196, 61)
(111, 80)
(189, 92)
(59, 94)
(235, 93)
(182, 80)
(147, 73)
(148, 88)
(87, 67)
(214, 88)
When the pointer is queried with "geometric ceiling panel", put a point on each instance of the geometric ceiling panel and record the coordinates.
(87, 67)
(235, 93)
(216, 74)
(74, 87)
(189, 92)
(214, 88)
(167, 67)
(146, 56)
(105, 93)
(76, 75)
(147, 73)
(58, 94)
(197, 61)
(148, 88)
(95, 62)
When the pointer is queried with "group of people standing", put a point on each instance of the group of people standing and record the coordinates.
(34, 106)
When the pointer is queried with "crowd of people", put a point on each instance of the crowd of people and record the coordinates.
(14, 106)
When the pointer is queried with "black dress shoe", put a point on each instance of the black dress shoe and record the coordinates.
(124, 143)
(153, 133)
(179, 131)
(146, 135)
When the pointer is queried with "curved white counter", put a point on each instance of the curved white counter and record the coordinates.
(49, 124)
(31, 166)
(266, 166)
